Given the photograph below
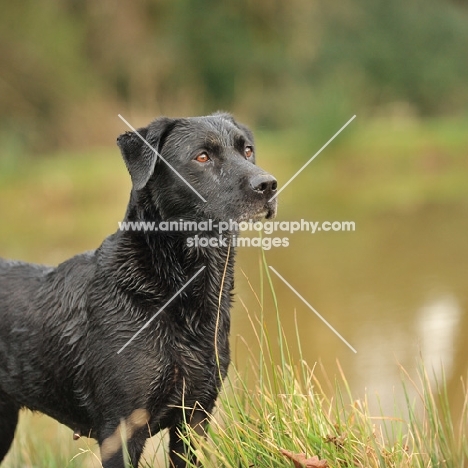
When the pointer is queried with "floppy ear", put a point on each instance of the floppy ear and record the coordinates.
(139, 150)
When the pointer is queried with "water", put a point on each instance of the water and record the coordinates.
(395, 289)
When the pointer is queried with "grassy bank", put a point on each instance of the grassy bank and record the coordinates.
(269, 408)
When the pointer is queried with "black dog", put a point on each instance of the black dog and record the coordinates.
(65, 332)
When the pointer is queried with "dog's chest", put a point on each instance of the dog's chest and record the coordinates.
(201, 369)
(194, 376)
(199, 346)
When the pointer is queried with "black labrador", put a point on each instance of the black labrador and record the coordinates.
(77, 342)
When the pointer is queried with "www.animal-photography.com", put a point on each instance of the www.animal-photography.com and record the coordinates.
(233, 234)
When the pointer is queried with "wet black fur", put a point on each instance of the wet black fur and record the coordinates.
(61, 328)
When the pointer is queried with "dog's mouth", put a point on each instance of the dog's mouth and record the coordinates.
(266, 212)
(271, 213)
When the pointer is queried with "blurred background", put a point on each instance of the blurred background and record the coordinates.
(294, 71)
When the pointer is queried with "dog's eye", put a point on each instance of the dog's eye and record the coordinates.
(202, 157)
(248, 152)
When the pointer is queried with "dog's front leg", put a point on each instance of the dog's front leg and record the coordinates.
(126, 455)
(120, 452)
(198, 422)
(122, 443)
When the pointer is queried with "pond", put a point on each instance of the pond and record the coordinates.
(395, 289)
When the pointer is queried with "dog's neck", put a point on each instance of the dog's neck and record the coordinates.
(156, 264)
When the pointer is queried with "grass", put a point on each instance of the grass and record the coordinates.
(269, 406)
(292, 409)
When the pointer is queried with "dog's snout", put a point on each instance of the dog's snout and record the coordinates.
(264, 183)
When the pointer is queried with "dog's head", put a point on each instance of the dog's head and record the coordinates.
(201, 166)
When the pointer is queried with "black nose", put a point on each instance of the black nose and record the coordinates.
(263, 183)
